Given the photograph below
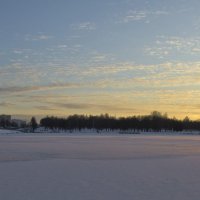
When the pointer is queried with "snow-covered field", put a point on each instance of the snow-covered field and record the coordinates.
(98, 167)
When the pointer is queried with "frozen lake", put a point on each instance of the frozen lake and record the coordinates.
(100, 167)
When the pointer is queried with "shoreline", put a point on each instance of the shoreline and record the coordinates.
(8, 132)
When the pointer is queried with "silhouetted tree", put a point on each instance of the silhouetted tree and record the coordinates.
(33, 123)
(156, 121)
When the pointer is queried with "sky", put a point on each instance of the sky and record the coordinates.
(122, 57)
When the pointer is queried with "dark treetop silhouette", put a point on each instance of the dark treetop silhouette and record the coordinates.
(153, 122)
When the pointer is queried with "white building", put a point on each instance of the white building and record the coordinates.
(19, 122)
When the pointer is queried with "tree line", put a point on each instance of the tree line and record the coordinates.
(156, 121)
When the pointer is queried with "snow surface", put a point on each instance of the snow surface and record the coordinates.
(121, 167)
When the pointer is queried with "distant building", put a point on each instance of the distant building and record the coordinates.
(19, 123)
(5, 118)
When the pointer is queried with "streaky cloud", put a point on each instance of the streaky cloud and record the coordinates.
(16, 89)
(6, 104)
(38, 37)
(92, 106)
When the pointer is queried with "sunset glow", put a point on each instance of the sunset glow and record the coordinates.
(124, 58)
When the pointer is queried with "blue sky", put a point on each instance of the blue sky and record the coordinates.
(89, 57)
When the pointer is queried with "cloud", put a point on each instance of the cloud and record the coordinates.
(37, 37)
(88, 26)
(96, 58)
(45, 108)
(165, 46)
(99, 75)
(62, 46)
(134, 16)
(117, 87)
(16, 89)
(73, 105)
(140, 15)
(173, 75)
(17, 51)
(109, 69)
(92, 106)
(159, 52)
(6, 104)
